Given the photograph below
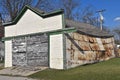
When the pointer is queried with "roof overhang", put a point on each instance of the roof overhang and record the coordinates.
(25, 8)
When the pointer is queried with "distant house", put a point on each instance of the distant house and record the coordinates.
(36, 38)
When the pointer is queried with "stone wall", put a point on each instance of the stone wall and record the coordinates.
(30, 50)
(83, 49)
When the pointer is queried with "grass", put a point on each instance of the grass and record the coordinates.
(107, 70)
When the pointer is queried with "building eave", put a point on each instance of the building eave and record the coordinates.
(43, 15)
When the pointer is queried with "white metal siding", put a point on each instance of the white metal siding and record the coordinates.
(8, 53)
(32, 23)
(56, 51)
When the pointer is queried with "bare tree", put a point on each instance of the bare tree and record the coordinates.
(11, 8)
(47, 5)
(69, 7)
(74, 11)
(86, 15)
(117, 34)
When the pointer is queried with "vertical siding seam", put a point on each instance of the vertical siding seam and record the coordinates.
(63, 21)
(11, 53)
(4, 53)
(49, 50)
(26, 49)
(64, 52)
(64, 43)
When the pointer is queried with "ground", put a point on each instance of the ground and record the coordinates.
(14, 78)
(107, 70)
(3, 77)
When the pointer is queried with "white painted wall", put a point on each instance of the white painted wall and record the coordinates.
(8, 53)
(56, 51)
(32, 23)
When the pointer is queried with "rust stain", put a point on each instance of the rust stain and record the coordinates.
(80, 38)
(75, 36)
(95, 46)
(93, 50)
(85, 38)
(103, 41)
(91, 39)
(84, 45)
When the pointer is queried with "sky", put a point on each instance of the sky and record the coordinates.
(112, 13)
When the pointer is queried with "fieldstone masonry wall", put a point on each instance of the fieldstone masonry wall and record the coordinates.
(83, 49)
(30, 50)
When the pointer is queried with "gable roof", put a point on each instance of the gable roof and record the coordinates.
(37, 11)
(87, 29)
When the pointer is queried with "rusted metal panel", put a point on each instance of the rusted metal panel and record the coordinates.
(94, 46)
(92, 49)
(76, 52)
(107, 40)
(118, 51)
(95, 40)
(75, 35)
(100, 44)
(84, 45)
(85, 38)
(110, 46)
(112, 39)
(68, 44)
(100, 55)
(81, 56)
(108, 53)
(103, 41)
(90, 55)
(74, 47)
(80, 37)
(91, 39)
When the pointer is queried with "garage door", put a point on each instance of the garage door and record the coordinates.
(30, 50)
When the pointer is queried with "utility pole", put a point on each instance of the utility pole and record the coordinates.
(101, 18)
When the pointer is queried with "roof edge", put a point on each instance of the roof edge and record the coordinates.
(26, 7)
(78, 31)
